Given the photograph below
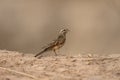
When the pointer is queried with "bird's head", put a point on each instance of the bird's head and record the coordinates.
(64, 31)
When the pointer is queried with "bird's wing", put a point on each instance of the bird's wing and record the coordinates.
(54, 42)
(47, 47)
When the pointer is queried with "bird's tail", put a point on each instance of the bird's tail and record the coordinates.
(39, 53)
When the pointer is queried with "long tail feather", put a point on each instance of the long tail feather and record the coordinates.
(39, 53)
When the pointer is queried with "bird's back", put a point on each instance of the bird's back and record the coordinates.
(59, 42)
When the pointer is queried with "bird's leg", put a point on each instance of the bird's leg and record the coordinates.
(55, 52)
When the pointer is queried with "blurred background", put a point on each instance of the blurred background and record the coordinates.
(28, 25)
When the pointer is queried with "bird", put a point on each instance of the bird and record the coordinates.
(55, 44)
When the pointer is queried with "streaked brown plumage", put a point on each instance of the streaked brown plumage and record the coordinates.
(56, 44)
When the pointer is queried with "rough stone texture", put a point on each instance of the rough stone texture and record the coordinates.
(13, 65)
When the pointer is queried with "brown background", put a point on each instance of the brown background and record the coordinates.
(27, 25)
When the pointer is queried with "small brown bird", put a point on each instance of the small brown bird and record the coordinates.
(56, 44)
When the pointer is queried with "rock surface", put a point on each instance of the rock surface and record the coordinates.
(19, 66)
